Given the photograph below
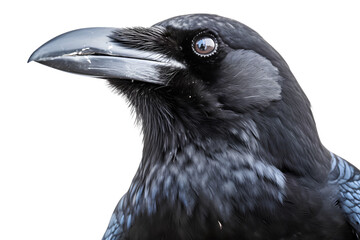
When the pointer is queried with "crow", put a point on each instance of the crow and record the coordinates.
(231, 149)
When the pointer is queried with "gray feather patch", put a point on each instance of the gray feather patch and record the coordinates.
(248, 80)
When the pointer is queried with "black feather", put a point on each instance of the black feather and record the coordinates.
(231, 149)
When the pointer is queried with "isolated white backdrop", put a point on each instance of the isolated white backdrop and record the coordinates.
(68, 146)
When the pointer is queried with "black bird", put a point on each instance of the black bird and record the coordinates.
(231, 149)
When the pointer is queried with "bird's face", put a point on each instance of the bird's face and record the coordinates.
(224, 59)
(205, 66)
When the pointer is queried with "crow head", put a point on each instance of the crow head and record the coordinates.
(196, 77)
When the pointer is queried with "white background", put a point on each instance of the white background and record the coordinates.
(68, 145)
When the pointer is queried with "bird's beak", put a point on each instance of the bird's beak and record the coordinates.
(92, 51)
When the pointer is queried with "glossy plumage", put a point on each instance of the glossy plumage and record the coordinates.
(231, 149)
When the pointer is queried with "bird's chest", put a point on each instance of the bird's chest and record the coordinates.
(195, 194)
(225, 194)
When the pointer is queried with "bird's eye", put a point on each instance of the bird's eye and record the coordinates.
(204, 45)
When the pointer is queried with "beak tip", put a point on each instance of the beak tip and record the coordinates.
(30, 59)
(33, 57)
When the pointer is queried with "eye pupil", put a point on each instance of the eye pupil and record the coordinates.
(204, 46)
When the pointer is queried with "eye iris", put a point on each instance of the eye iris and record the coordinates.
(205, 46)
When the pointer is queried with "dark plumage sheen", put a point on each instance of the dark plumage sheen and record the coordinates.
(231, 149)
